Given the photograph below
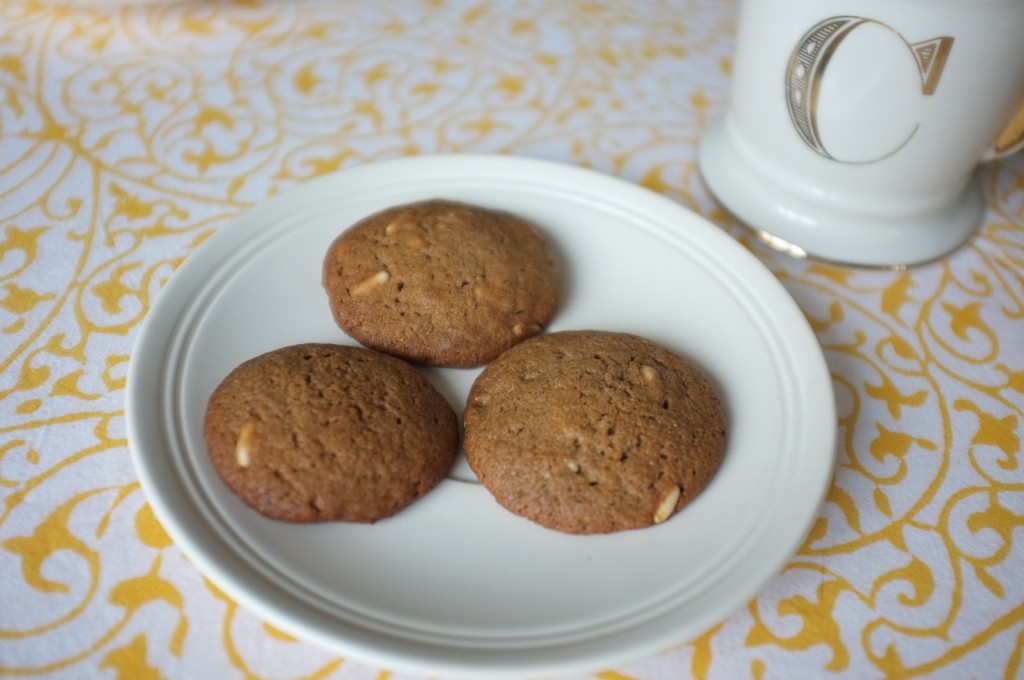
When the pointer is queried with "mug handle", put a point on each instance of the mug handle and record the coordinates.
(1010, 139)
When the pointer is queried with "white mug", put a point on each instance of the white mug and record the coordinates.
(855, 127)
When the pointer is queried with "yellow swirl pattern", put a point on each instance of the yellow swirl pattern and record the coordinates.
(129, 134)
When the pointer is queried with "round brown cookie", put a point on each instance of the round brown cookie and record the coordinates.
(442, 283)
(593, 432)
(316, 432)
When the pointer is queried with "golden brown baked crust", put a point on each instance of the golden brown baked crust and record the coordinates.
(442, 283)
(593, 432)
(316, 432)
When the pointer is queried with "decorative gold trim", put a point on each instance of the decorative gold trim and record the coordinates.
(804, 75)
(1012, 136)
(806, 68)
(931, 56)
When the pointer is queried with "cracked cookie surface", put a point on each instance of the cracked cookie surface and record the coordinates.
(320, 432)
(592, 432)
(442, 283)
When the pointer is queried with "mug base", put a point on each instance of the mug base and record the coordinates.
(801, 227)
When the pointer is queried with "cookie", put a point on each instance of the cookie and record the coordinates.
(590, 432)
(318, 432)
(442, 283)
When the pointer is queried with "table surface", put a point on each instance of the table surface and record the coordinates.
(129, 134)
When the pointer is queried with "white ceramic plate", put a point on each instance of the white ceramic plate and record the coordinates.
(454, 585)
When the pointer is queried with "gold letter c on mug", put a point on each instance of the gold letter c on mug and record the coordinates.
(811, 57)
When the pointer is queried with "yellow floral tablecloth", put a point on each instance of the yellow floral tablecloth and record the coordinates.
(129, 134)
